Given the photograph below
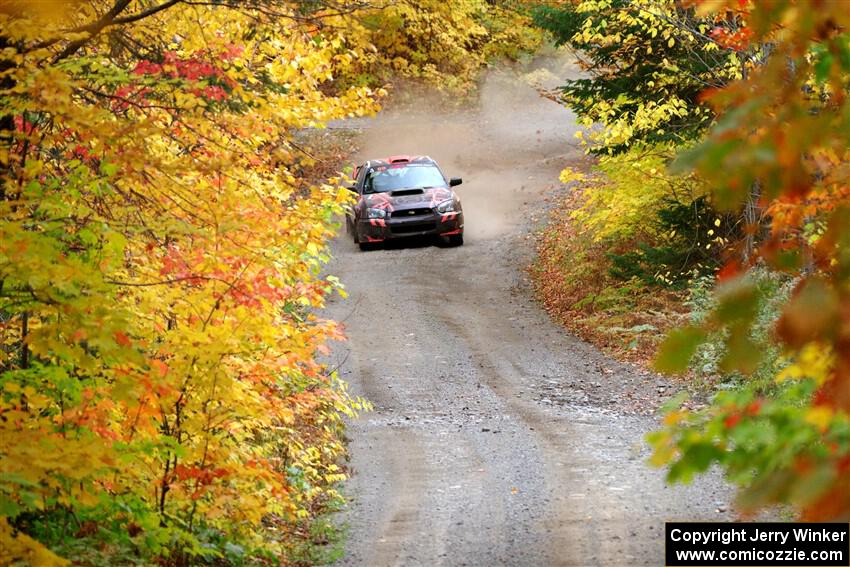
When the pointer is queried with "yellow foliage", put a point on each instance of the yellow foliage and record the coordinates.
(160, 269)
(813, 361)
(441, 43)
(19, 548)
(820, 416)
(638, 44)
(632, 187)
(570, 175)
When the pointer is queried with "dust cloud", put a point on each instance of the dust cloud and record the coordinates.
(487, 444)
(508, 148)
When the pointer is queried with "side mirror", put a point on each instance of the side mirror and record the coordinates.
(455, 181)
(351, 188)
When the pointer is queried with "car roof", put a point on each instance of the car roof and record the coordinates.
(400, 159)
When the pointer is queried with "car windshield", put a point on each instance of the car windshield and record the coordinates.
(395, 177)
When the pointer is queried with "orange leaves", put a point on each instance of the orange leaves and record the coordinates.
(738, 40)
(779, 149)
(122, 339)
(730, 270)
(732, 420)
(160, 367)
(203, 476)
(811, 315)
(160, 276)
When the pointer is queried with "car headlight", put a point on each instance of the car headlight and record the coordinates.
(376, 213)
(446, 206)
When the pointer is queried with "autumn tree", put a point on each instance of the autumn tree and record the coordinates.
(159, 275)
(784, 123)
(646, 65)
(161, 285)
(441, 44)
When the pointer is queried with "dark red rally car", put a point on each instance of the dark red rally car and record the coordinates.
(404, 196)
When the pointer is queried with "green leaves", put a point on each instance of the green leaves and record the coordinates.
(697, 457)
(678, 348)
(737, 302)
(780, 147)
(151, 235)
(736, 307)
(647, 63)
(742, 354)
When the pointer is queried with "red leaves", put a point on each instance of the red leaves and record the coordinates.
(23, 125)
(729, 271)
(842, 465)
(81, 152)
(194, 68)
(191, 69)
(146, 68)
(829, 506)
(231, 51)
(214, 92)
(204, 475)
(732, 420)
(122, 339)
(244, 286)
(160, 367)
(738, 40)
(200, 477)
(180, 265)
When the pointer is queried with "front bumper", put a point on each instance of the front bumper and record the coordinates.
(377, 230)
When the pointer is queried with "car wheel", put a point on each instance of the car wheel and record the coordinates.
(366, 246)
(456, 240)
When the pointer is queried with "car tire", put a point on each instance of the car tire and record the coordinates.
(456, 240)
(365, 246)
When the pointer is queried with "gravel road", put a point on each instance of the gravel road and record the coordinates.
(496, 438)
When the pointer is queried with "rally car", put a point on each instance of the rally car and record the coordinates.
(404, 196)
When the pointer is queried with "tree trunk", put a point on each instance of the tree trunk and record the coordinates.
(25, 349)
(752, 220)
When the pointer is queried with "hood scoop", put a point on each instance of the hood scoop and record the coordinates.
(403, 192)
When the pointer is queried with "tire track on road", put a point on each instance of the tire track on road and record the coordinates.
(464, 462)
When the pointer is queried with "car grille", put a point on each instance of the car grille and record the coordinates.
(413, 227)
(411, 213)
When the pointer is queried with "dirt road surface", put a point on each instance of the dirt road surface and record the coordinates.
(496, 438)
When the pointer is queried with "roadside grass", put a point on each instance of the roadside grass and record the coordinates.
(324, 152)
(320, 540)
(774, 289)
(571, 278)
(628, 318)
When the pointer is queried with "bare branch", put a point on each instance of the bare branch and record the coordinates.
(93, 29)
(144, 13)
